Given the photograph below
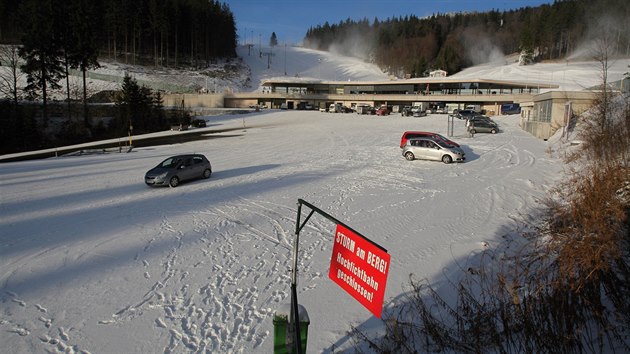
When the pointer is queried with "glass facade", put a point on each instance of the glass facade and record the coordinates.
(542, 111)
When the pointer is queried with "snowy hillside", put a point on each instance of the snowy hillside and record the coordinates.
(94, 261)
(246, 73)
(301, 63)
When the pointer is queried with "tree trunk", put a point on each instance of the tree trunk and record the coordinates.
(65, 57)
(85, 105)
(44, 97)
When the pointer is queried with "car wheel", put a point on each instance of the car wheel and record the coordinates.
(447, 159)
(473, 131)
(207, 173)
(409, 156)
(493, 131)
(174, 182)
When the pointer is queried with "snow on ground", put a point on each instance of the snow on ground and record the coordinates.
(570, 75)
(297, 63)
(242, 74)
(93, 260)
(247, 72)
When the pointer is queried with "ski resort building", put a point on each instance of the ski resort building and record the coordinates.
(544, 110)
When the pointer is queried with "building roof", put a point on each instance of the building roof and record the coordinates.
(416, 81)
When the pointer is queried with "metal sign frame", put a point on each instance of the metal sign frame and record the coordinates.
(294, 323)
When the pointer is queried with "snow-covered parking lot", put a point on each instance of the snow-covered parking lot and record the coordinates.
(93, 260)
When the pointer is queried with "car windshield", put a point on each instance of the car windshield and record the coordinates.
(443, 144)
(443, 139)
(170, 162)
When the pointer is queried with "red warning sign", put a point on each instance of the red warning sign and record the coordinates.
(360, 268)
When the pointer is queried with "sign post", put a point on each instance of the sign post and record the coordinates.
(359, 265)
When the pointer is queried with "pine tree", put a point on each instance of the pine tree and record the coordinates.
(273, 41)
(82, 44)
(41, 51)
(127, 102)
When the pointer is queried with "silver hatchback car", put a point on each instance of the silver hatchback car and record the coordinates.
(178, 168)
(429, 149)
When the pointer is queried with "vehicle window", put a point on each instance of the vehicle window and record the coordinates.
(197, 160)
(169, 162)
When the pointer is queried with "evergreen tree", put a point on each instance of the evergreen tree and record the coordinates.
(139, 110)
(273, 41)
(450, 57)
(158, 117)
(550, 30)
(41, 50)
(82, 44)
(127, 102)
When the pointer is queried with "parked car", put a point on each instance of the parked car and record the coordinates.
(480, 118)
(176, 169)
(420, 113)
(406, 111)
(434, 136)
(510, 108)
(465, 113)
(445, 140)
(365, 109)
(483, 126)
(335, 108)
(383, 111)
(198, 123)
(429, 149)
(474, 107)
(180, 127)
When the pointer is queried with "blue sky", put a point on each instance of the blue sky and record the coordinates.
(290, 19)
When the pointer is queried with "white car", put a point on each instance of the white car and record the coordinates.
(430, 149)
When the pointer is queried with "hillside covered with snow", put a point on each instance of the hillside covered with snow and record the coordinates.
(94, 261)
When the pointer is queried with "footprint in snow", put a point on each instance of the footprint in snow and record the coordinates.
(47, 321)
(160, 323)
(20, 302)
(63, 334)
(21, 331)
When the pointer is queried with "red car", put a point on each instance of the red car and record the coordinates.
(382, 111)
(411, 135)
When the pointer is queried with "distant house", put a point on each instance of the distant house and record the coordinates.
(438, 73)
